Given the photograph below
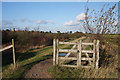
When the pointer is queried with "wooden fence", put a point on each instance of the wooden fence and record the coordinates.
(8, 47)
(91, 57)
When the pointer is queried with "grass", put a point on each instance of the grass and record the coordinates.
(64, 72)
(25, 61)
(108, 67)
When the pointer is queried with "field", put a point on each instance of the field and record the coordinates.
(27, 56)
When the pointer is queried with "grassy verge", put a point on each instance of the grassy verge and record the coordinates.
(25, 62)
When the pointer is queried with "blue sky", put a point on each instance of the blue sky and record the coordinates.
(49, 16)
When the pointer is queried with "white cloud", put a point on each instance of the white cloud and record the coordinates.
(41, 22)
(80, 17)
(36, 21)
(44, 22)
(71, 23)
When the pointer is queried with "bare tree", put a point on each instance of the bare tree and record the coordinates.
(101, 22)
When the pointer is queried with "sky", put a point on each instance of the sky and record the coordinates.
(46, 16)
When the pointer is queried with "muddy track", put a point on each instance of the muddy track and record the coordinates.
(39, 70)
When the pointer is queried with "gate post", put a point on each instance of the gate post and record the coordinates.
(57, 54)
(13, 43)
(54, 51)
(13, 51)
(79, 53)
(97, 51)
(94, 53)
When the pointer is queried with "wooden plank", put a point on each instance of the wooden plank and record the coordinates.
(68, 54)
(69, 65)
(70, 51)
(86, 58)
(66, 43)
(87, 51)
(87, 43)
(13, 51)
(68, 58)
(94, 53)
(97, 49)
(3, 49)
(79, 53)
(67, 50)
(57, 51)
(54, 51)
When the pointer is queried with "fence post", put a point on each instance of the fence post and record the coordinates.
(57, 51)
(97, 49)
(79, 54)
(54, 51)
(13, 51)
(94, 53)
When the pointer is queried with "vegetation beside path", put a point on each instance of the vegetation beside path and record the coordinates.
(108, 67)
(27, 60)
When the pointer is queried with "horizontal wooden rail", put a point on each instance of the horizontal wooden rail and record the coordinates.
(66, 43)
(87, 51)
(68, 58)
(86, 59)
(87, 43)
(84, 51)
(66, 50)
(6, 48)
(75, 66)
(69, 65)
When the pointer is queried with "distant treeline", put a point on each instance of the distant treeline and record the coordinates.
(36, 38)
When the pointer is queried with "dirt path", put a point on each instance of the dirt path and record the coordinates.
(39, 70)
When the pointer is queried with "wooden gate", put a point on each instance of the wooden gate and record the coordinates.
(80, 55)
